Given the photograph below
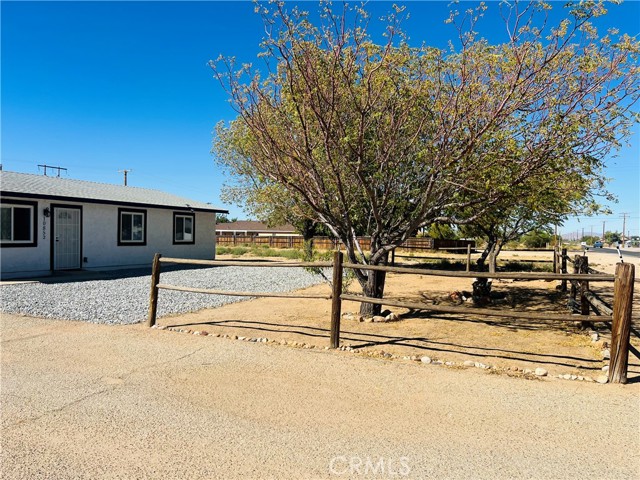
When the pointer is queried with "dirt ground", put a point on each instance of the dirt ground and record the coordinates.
(512, 346)
(86, 401)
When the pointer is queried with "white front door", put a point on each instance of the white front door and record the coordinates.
(66, 238)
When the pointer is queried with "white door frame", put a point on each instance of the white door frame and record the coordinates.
(55, 238)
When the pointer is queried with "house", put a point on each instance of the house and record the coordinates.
(50, 224)
(250, 228)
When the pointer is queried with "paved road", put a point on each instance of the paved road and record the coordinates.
(629, 254)
(92, 401)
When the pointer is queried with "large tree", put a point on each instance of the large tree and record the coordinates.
(384, 138)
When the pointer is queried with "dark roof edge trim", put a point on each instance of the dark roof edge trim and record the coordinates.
(109, 202)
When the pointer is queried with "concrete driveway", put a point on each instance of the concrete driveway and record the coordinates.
(92, 401)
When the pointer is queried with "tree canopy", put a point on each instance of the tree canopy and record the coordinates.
(383, 138)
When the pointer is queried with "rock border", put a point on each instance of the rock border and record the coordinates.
(527, 373)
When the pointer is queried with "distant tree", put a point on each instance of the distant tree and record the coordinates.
(589, 239)
(612, 237)
(387, 138)
(536, 239)
(222, 218)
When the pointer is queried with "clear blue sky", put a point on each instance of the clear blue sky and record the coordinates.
(98, 87)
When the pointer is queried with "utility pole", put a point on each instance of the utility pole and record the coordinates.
(624, 225)
(603, 231)
(125, 175)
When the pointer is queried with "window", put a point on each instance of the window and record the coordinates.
(184, 228)
(18, 224)
(132, 227)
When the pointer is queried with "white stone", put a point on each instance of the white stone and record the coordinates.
(425, 360)
(606, 354)
(378, 319)
(595, 337)
(566, 376)
(392, 317)
(602, 379)
(469, 363)
(605, 368)
(540, 372)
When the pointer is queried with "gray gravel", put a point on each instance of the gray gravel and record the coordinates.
(123, 296)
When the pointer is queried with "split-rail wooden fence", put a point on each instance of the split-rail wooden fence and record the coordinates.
(619, 316)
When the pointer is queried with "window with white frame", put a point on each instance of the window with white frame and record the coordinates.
(184, 228)
(132, 227)
(17, 224)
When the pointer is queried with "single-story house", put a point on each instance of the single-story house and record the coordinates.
(251, 228)
(52, 223)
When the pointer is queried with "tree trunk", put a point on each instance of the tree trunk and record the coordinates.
(373, 286)
(482, 286)
(493, 256)
(308, 231)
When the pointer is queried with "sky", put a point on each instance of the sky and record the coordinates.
(102, 87)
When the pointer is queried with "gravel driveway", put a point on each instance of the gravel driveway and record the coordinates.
(122, 297)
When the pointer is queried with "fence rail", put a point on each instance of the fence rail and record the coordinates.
(620, 315)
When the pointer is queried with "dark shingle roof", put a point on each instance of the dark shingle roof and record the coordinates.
(40, 186)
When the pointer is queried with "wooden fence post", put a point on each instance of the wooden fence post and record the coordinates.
(563, 266)
(576, 269)
(585, 306)
(153, 294)
(336, 302)
(468, 257)
(393, 257)
(555, 259)
(621, 326)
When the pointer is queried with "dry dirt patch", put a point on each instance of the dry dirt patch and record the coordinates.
(508, 344)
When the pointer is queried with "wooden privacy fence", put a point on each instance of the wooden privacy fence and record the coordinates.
(620, 316)
(329, 243)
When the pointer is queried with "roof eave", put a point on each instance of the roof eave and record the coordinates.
(5, 193)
